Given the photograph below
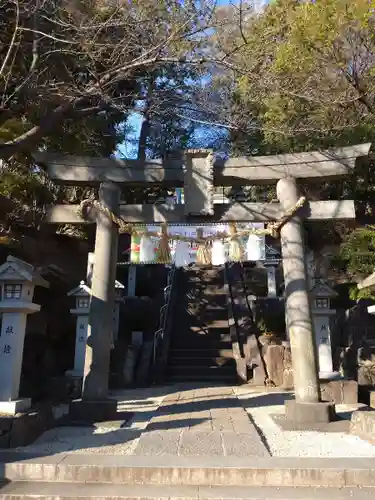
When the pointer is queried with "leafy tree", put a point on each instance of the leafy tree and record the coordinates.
(357, 259)
(61, 60)
(306, 81)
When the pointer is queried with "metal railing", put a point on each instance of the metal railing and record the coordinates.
(164, 313)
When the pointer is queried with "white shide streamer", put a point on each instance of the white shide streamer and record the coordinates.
(255, 247)
(147, 250)
(182, 254)
(218, 253)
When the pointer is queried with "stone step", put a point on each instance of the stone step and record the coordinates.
(204, 372)
(191, 341)
(200, 361)
(205, 353)
(214, 379)
(74, 491)
(208, 331)
(190, 471)
(217, 314)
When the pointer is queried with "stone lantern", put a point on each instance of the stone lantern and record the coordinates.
(82, 294)
(17, 282)
(119, 291)
(321, 295)
(272, 262)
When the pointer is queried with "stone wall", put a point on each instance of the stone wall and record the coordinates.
(278, 360)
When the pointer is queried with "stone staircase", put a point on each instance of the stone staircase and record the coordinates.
(201, 346)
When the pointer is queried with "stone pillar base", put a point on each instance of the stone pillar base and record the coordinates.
(11, 408)
(93, 411)
(309, 413)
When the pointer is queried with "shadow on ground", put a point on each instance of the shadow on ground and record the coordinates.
(123, 438)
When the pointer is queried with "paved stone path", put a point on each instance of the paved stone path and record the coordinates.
(201, 422)
(177, 421)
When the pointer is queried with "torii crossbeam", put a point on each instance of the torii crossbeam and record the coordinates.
(198, 172)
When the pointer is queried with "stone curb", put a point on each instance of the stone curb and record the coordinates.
(74, 491)
(173, 471)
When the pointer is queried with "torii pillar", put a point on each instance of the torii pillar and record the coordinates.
(307, 406)
(95, 403)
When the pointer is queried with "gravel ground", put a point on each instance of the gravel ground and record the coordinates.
(104, 439)
(261, 405)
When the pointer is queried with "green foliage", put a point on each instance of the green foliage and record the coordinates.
(355, 294)
(357, 254)
(310, 69)
(358, 251)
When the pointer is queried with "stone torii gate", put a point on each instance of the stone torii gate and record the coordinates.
(198, 172)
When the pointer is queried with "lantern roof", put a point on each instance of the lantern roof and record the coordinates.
(321, 289)
(82, 290)
(15, 269)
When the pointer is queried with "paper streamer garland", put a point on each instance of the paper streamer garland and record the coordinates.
(214, 244)
(204, 255)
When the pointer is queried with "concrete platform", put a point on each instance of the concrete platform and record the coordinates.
(63, 491)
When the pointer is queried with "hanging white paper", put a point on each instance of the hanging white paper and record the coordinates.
(182, 254)
(218, 253)
(255, 248)
(147, 250)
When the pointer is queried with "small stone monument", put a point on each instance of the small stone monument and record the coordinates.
(321, 295)
(17, 282)
(273, 259)
(82, 293)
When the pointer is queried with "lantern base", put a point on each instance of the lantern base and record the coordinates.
(11, 408)
(93, 411)
(329, 376)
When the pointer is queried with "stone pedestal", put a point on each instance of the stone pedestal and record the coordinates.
(271, 281)
(323, 343)
(132, 280)
(17, 281)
